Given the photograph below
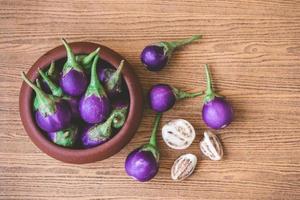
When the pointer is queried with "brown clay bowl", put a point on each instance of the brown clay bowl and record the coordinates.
(100, 152)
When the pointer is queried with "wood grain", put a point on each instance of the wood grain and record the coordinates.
(254, 49)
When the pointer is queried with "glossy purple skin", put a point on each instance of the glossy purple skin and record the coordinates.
(141, 165)
(161, 98)
(87, 142)
(74, 83)
(154, 58)
(217, 113)
(74, 106)
(94, 109)
(57, 121)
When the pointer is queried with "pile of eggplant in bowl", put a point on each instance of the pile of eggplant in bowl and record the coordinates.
(80, 102)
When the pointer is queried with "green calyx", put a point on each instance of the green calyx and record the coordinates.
(56, 90)
(37, 82)
(179, 94)
(71, 62)
(66, 137)
(95, 87)
(154, 150)
(209, 93)
(35, 101)
(103, 131)
(87, 60)
(79, 59)
(169, 47)
(120, 117)
(45, 103)
(115, 78)
(152, 145)
(52, 73)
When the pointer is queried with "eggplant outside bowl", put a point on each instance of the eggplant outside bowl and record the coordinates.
(80, 155)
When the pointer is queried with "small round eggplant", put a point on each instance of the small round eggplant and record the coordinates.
(66, 137)
(156, 56)
(86, 61)
(73, 80)
(57, 91)
(52, 113)
(112, 80)
(216, 112)
(142, 164)
(100, 133)
(94, 106)
(162, 97)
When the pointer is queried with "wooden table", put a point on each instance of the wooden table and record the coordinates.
(253, 48)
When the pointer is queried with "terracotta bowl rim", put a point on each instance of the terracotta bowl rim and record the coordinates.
(97, 153)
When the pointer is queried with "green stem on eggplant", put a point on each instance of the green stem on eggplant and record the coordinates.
(179, 94)
(120, 117)
(114, 79)
(71, 60)
(66, 137)
(209, 93)
(180, 43)
(45, 104)
(89, 58)
(95, 86)
(56, 90)
(51, 69)
(104, 130)
(152, 145)
(35, 101)
(37, 82)
(153, 140)
(169, 47)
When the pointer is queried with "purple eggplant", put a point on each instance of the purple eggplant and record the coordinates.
(142, 164)
(156, 56)
(52, 113)
(112, 80)
(94, 106)
(86, 61)
(73, 80)
(66, 137)
(100, 133)
(57, 91)
(162, 97)
(216, 111)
